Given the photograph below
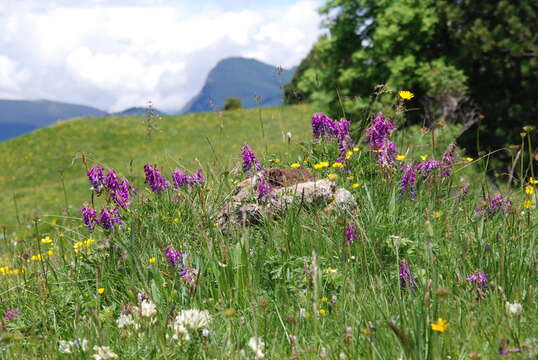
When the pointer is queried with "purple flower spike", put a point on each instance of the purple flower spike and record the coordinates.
(249, 159)
(179, 178)
(89, 216)
(325, 127)
(407, 278)
(264, 188)
(189, 275)
(96, 177)
(11, 313)
(407, 183)
(377, 136)
(196, 179)
(108, 219)
(154, 179)
(448, 161)
(174, 256)
(480, 281)
(351, 234)
(427, 166)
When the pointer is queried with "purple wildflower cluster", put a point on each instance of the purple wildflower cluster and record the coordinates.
(480, 282)
(324, 127)
(107, 219)
(175, 258)
(118, 190)
(11, 313)
(250, 163)
(407, 278)
(180, 178)
(351, 234)
(377, 135)
(491, 206)
(264, 188)
(154, 179)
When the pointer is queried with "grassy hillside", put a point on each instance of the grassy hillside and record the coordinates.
(33, 165)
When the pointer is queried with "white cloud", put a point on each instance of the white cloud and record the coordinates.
(112, 55)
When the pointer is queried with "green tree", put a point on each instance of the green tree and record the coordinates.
(232, 103)
(448, 52)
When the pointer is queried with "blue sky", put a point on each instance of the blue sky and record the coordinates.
(114, 54)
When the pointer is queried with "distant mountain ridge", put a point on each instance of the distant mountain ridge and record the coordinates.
(243, 78)
(137, 111)
(18, 117)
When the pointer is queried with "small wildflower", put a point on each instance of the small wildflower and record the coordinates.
(101, 291)
(324, 299)
(437, 214)
(11, 313)
(400, 157)
(229, 312)
(46, 240)
(406, 95)
(68, 347)
(332, 176)
(480, 281)
(50, 252)
(349, 154)
(176, 220)
(355, 186)
(423, 157)
(407, 278)
(154, 179)
(330, 270)
(468, 159)
(276, 161)
(147, 308)
(355, 149)
(529, 190)
(528, 128)
(37, 257)
(514, 309)
(152, 260)
(321, 165)
(235, 182)
(295, 165)
(338, 165)
(440, 325)
(103, 353)
(527, 204)
(351, 234)
(322, 312)
(188, 322)
(533, 181)
(257, 346)
(175, 257)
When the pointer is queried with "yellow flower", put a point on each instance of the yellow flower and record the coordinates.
(338, 165)
(235, 182)
(50, 252)
(437, 214)
(423, 157)
(349, 154)
(406, 95)
(15, 272)
(332, 176)
(355, 149)
(468, 159)
(441, 325)
(377, 150)
(529, 190)
(324, 299)
(295, 165)
(321, 165)
(46, 240)
(277, 161)
(330, 270)
(4, 270)
(355, 186)
(100, 291)
(527, 204)
(152, 260)
(322, 312)
(400, 157)
(176, 220)
(229, 312)
(532, 181)
(37, 257)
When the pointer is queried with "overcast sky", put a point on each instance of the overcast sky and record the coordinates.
(114, 54)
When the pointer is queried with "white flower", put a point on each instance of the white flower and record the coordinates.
(103, 353)
(302, 313)
(147, 308)
(514, 309)
(257, 346)
(125, 320)
(288, 135)
(67, 347)
(193, 320)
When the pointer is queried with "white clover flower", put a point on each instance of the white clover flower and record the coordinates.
(147, 308)
(257, 346)
(188, 321)
(103, 353)
(68, 347)
(514, 309)
(125, 320)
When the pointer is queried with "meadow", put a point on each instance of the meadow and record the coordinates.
(435, 262)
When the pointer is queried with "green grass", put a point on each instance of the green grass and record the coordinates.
(33, 165)
(271, 280)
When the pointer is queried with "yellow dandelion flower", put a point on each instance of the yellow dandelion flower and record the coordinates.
(46, 240)
(437, 214)
(400, 157)
(355, 149)
(324, 164)
(529, 190)
(533, 181)
(152, 260)
(4, 270)
(330, 270)
(355, 186)
(406, 94)
(423, 157)
(37, 257)
(235, 182)
(322, 312)
(349, 154)
(527, 204)
(332, 176)
(324, 299)
(468, 159)
(317, 166)
(338, 165)
(15, 271)
(176, 220)
(440, 325)
(101, 291)
(295, 165)
(50, 252)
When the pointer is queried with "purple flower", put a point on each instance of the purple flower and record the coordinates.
(427, 166)
(504, 350)
(491, 206)
(464, 190)
(479, 279)
(142, 296)
(174, 256)
(448, 161)
(377, 136)
(351, 233)
(89, 216)
(119, 191)
(11, 313)
(249, 159)
(154, 178)
(196, 178)
(189, 275)
(108, 218)
(409, 178)
(96, 177)
(264, 188)
(407, 278)
(179, 178)
(325, 127)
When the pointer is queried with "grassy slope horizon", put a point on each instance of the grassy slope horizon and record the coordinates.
(33, 165)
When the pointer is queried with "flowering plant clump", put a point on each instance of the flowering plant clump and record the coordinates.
(491, 206)
(197, 178)
(480, 282)
(407, 278)
(377, 135)
(89, 217)
(351, 233)
(119, 191)
(96, 177)
(189, 323)
(264, 188)
(179, 178)
(154, 179)
(250, 162)
(108, 218)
